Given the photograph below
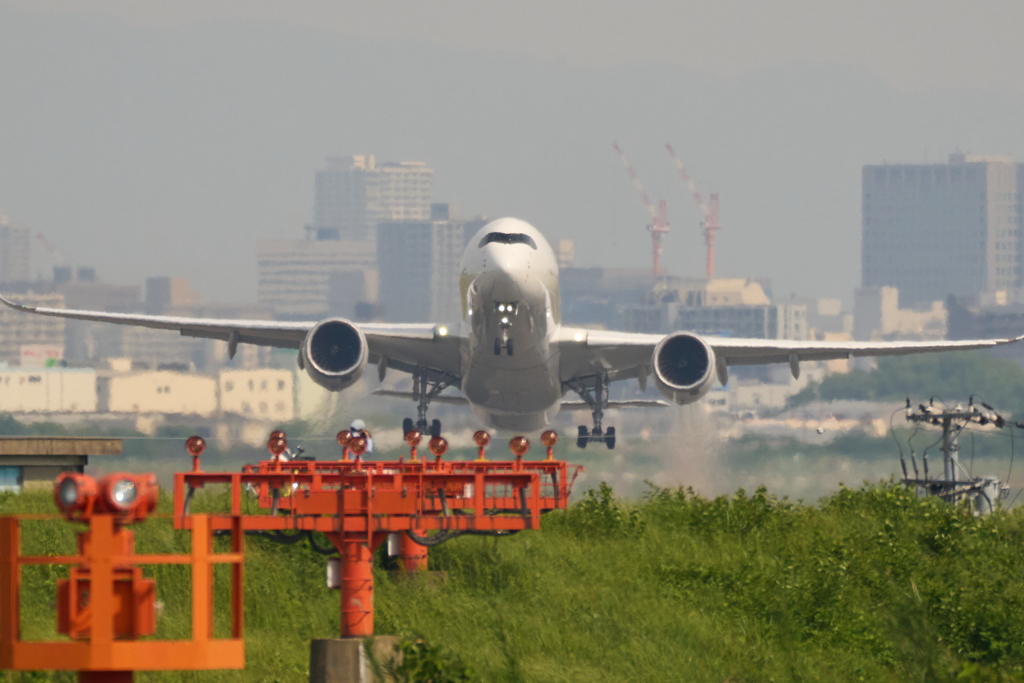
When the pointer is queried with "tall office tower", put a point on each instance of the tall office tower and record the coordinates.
(932, 230)
(295, 277)
(353, 194)
(15, 253)
(419, 265)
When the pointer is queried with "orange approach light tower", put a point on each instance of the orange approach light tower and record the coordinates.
(356, 504)
(105, 605)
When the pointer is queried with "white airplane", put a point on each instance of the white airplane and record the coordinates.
(510, 355)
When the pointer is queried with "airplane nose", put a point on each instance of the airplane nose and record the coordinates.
(509, 281)
(503, 258)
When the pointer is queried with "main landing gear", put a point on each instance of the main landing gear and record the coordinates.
(595, 395)
(426, 384)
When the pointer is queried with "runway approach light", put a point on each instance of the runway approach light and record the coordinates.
(357, 446)
(549, 439)
(440, 331)
(277, 446)
(195, 447)
(344, 438)
(481, 439)
(438, 446)
(75, 493)
(413, 438)
(578, 336)
(519, 445)
(130, 496)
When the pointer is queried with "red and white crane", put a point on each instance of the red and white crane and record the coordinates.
(659, 216)
(710, 223)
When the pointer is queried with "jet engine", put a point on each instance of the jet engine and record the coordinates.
(683, 367)
(334, 354)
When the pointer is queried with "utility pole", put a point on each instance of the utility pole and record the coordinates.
(957, 483)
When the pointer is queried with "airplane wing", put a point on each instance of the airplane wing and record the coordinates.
(623, 355)
(406, 347)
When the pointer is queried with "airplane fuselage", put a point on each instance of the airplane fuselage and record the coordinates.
(511, 319)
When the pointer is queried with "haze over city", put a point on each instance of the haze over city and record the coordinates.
(181, 134)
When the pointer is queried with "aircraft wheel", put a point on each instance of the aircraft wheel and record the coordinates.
(508, 346)
(581, 440)
(609, 438)
(497, 346)
(407, 426)
(435, 428)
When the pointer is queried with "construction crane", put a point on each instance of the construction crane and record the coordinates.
(659, 216)
(709, 209)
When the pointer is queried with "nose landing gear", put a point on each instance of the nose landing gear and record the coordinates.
(503, 342)
(596, 397)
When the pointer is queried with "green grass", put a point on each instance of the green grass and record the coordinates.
(868, 585)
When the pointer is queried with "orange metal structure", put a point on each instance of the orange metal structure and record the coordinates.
(357, 504)
(106, 605)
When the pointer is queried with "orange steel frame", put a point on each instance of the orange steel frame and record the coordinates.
(358, 504)
(101, 655)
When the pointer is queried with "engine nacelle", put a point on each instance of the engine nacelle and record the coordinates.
(334, 354)
(684, 367)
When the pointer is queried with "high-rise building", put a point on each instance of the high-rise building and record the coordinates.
(419, 265)
(15, 253)
(295, 277)
(164, 293)
(932, 230)
(353, 194)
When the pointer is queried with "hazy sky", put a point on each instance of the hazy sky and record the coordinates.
(165, 138)
(912, 45)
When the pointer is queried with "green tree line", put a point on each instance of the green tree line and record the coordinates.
(950, 376)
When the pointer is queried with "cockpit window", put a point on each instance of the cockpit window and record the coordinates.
(507, 238)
